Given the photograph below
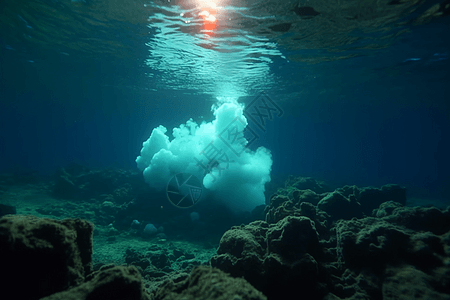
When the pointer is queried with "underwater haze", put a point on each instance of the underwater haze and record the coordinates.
(362, 87)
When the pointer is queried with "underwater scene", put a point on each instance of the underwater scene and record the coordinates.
(225, 149)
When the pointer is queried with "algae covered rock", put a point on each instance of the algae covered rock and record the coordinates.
(40, 257)
(208, 283)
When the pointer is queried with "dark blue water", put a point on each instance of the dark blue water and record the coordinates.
(383, 117)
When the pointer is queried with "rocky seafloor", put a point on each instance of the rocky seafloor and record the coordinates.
(309, 242)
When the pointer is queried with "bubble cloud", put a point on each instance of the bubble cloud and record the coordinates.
(216, 152)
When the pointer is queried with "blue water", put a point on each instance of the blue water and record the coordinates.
(378, 115)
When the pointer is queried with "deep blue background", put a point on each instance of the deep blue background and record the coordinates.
(366, 121)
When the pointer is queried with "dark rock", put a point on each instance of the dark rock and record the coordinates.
(116, 283)
(208, 283)
(293, 237)
(430, 219)
(386, 209)
(306, 196)
(371, 198)
(160, 260)
(406, 236)
(370, 243)
(77, 182)
(410, 282)
(178, 253)
(132, 257)
(306, 183)
(278, 259)
(46, 255)
(340, 207)
(348, 190)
